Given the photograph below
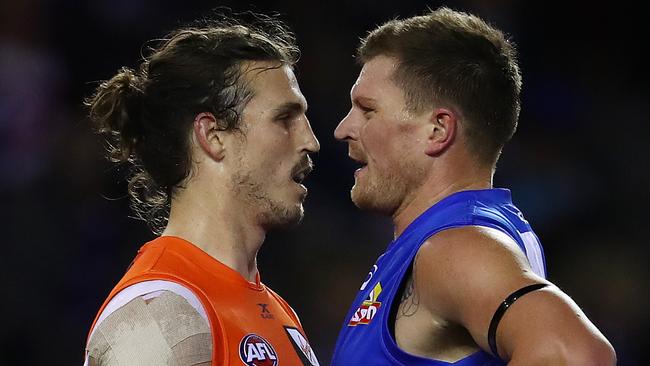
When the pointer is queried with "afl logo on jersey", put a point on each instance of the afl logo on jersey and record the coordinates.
(257, 351)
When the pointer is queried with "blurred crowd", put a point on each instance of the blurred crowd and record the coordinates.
(577, 167)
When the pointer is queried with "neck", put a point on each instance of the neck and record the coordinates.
(219, 227)
(435, 188)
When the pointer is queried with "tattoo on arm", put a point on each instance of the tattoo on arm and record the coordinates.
(410, 301)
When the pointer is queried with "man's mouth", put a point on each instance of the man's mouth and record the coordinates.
(302, 171)
(300, 176)
(361, 162)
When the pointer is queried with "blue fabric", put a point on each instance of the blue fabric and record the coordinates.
(365, 338)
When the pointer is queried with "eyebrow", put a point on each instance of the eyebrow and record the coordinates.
(290, 107)
(363, 100)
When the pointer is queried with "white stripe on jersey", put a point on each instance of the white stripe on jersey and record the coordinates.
(534, 253)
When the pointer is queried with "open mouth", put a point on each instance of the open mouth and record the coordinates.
(362, 163)
(300, 175)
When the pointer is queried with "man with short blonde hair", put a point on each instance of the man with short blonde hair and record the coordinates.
(464, 281)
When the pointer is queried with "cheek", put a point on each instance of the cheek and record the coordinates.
(379, 144)
(267, 151)
(273, 165)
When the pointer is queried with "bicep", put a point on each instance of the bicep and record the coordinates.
(547, 324)
(164, 329)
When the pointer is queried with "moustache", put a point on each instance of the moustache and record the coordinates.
(304, 167)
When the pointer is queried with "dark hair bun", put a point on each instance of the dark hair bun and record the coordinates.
(116, 110)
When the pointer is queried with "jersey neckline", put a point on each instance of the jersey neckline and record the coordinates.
(204, 260)
(498, 194)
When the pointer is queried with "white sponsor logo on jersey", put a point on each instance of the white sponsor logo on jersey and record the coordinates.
(257, 351)
(303, 345)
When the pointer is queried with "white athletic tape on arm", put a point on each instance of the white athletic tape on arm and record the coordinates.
(130, 336)
(158, 312)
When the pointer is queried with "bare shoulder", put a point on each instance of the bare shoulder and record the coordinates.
(473, 263)
(163, 329)
(464, 274)
(470, 245)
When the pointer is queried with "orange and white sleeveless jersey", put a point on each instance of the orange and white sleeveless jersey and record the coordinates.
(250, 324)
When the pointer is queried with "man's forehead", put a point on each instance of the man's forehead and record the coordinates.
(261, 73)
(276, 83)
(376, 73)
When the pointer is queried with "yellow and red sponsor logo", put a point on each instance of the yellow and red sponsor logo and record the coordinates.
(368, 309)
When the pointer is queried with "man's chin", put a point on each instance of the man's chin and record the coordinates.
(376, 202)
(361, 199)
(282, 217)
(296, 215)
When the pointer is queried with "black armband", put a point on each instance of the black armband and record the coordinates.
(492, 331)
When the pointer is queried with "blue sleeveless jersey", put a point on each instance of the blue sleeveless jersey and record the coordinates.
(365, 338)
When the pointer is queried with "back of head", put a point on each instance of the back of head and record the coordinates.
(147, 114)
(452, 58)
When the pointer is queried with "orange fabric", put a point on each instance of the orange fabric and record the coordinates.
(233, 305)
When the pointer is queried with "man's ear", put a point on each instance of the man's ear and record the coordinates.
(209, 136)
(443, 125)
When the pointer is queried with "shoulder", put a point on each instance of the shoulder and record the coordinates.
(172, 327)
(464, 274)
(472, 249)
(150, 289)
(470, 266)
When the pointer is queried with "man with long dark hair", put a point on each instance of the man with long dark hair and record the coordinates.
(213, 125)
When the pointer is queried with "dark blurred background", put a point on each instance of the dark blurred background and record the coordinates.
(578, 166)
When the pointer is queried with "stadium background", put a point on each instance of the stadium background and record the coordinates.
(577, 167)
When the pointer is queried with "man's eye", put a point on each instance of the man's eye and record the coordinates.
(284, 118)
(366, 109)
